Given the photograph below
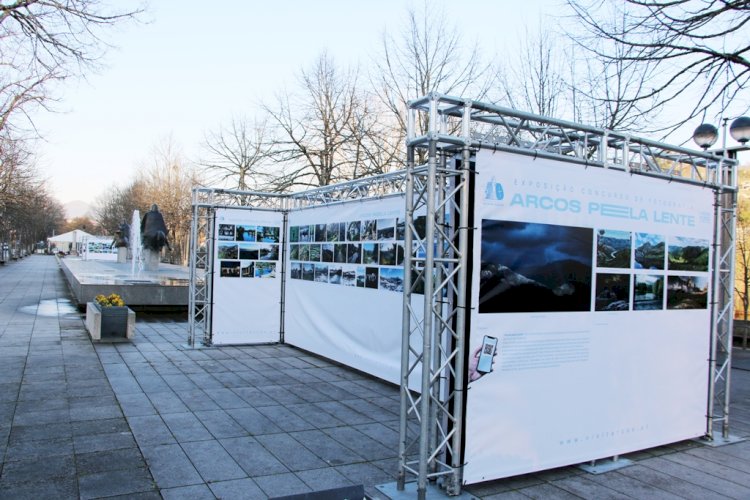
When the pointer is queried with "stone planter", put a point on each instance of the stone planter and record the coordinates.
(109, 323)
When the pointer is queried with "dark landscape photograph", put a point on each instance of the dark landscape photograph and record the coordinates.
(339, 253)
(688, 254)
(360, 276)
(649, 251)
(613, 248)
(353, 231)
(248, 269)
(295, 271)
(308, 272)
(320, 233)
(326, 252)
(314, 254)
(226, 232)
(267, 234)
(648, 292)
(249, 251)
(354, 253)
(294, 252)
(268, 252)
(369, 230)
(332, 231)
(687, 292)
(246, 233)
(372, 276)
(387, 254)
(304, 252)
(386, 229)
(294, 234)
(530, 267)
(400, 229)
(305, 233)
(612, 292)
(230, 269)
(228, 251)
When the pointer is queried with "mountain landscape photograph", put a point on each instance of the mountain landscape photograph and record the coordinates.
(530, 267)
(649, 251)
(688, 254)
(613, 248)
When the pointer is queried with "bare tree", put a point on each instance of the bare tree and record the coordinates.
(326, 132)
(679, 47)
(117, 204)
(236, 155)
(428, 55)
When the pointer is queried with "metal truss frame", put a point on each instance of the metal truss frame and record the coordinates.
(432, 420)
(204, 204)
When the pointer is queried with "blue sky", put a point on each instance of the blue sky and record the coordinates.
(191, 66)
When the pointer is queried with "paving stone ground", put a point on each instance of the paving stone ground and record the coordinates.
(152, 419)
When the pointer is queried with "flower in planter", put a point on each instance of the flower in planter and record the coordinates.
(111, 300)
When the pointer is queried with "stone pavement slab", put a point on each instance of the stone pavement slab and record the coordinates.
(152, 419)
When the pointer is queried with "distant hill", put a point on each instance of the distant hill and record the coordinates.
(77, 208)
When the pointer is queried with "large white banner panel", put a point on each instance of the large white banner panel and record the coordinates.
(594, 285)
(247, 276)
(344, 289)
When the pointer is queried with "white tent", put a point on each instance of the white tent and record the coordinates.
(72, 240)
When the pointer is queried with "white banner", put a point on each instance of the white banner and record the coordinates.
(594, 286)
(247, 276)
(344, 291)
(99, 249)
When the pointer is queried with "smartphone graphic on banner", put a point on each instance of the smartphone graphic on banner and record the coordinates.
(489, 344)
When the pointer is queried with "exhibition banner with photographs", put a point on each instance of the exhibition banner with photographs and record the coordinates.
(247, 282)
(345, 283)
(99, 249)
(590, 322)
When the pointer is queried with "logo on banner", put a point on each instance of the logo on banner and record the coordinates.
(494, 190)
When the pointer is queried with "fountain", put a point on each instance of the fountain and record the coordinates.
(135, 243)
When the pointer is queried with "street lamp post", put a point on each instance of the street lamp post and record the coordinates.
(706, 135)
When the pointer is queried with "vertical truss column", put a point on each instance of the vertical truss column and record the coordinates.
(722, 307)
(201, 258)
(433, 342)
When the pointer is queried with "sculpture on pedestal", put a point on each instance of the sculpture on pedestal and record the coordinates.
(153, 237)
(122, 241)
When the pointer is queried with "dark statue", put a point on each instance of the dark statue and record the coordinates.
(122, 236)
(154, 230)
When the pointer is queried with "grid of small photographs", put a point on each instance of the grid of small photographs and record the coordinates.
(361, 253)
(663, 272)
(248, 251)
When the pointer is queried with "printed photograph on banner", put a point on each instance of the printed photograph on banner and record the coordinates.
(305, 234)
(339, 253)
(308, 272)
(226, 232)
(386, 229)
(687, 292)
(417, 282)
(369, 230)
(265, 269)
(392, 279)
(372, 277)
(688, 254)
(326, 252)
(354, 253)
(613, 248)
(400, 229)
(229, 269)
(248, 269)
(349, 276)
(420, 226)
(249, 251)
(360, 272)
(369, 253)
(400, 253)
(294, 234)
(268, 234)
(531, 267)
(354, 230)
(321, 273)
(648, 292)
(320, 233)
(334, 275)
(332, 231)
(294, 252)
(304, 252)
(612, 292)
(649, 252)
(246, 233)
(268, 252)
(295, 271)
(387, 254)
(314, 252)
(228, 251)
